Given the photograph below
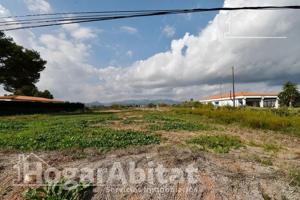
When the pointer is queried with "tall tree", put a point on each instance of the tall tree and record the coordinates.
(20, 68)
(289, 94)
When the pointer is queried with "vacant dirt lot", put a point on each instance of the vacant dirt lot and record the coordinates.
(257, 164)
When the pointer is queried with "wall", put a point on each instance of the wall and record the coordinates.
(22, 107)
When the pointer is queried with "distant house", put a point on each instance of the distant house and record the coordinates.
(253, 99)
(28, 99)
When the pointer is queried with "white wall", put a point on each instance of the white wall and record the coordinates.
(239, 101)
(227, 102)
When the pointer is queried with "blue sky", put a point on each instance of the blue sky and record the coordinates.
(113, 46)
(164, 57)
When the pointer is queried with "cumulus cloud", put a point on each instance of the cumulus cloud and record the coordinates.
(80, 33)
(169, 31)
(38, 6)
(194, 66)
(205, 59)
(129, 29)
(3, 11)
(68, 74)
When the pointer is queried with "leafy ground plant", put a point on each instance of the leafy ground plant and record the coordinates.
(217, 143)
(172, 126)
(57, 191)
(55, 132)
(173, 121)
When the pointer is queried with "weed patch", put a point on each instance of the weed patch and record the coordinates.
(253, 118)
(62, 132)
(218, 143)
(172, 122)
(173, 126)
(295, 177)
(57, 191)
(274, 148)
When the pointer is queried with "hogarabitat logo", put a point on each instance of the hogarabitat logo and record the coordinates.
(34, 171)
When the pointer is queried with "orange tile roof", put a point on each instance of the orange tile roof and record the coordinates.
(238, 94)
(29, 98)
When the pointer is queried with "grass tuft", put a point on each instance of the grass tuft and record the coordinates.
(295, 177)
(57, 191)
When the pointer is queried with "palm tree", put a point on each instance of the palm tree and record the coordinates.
(289, 94)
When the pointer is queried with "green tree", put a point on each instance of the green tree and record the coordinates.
(289, 95)
(45, 94)
(20, 68)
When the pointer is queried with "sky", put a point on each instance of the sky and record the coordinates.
(163, 57)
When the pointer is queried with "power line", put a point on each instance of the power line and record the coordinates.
(83, 17)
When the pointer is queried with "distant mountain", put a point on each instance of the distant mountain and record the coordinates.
(94, 104)
(134, 102)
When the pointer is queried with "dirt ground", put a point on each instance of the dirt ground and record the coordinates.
(250, 172)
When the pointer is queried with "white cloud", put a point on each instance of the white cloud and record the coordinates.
(3, 11)
(129, 29)
(169, 31)
(80, 33)
(38, 6)
(194, 66)
(202, 61)
(129, 53)
(68, 72)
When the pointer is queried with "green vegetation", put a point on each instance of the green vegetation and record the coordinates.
(57, 191)
(173, 126)
(131, 120)
(295, 177)
(254, 118)
(290, 95)
(266, 196)
(20, 69)
(274, 148)
(263, 161)
(173, 121)
(218, 143)
(53, 132)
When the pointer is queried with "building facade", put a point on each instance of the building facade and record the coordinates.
(252, 99)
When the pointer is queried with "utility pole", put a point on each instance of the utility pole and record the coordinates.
(233, 87)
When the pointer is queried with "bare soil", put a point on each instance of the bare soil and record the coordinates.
(251, 172)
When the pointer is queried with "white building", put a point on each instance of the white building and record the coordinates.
(253, 99)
